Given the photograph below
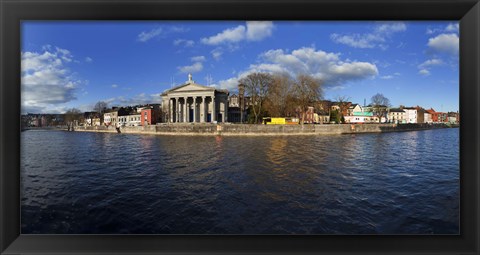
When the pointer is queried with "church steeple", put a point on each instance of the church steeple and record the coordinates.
(190, 78)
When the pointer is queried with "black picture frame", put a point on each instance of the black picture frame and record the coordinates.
(12, 12)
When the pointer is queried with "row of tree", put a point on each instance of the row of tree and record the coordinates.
(75, 115)
(281, 95)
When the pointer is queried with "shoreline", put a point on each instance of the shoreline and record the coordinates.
(228, 129)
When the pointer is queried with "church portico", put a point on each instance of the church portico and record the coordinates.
(195, 103)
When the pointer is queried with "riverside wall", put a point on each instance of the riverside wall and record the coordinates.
(248, 129)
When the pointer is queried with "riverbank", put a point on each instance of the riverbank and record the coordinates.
(45, 128)
(229, 129)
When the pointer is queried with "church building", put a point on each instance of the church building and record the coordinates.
(195, 103)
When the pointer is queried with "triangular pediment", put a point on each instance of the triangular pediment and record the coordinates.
(193, 87)
(190, 87)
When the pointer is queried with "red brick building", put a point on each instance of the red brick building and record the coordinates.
(438, 116)
(442, 117)
(150, 115)
(434, 114)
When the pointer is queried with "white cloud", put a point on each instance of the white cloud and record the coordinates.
(178, 29)
(445, 43)
(145, 36)
(217, 53)
(46, 81)
(455, 27)
(450, 28)
(357, 40)
(424, 72)
(114, 86)
(64, 54)
(184, 43)
(88, 59)
(424, 68)
(376, 39)
(229, 35)
(328, 67)
(198, 59)
(259, 30)
(387, 77)
(162, 32)
(139, 99)
(252, 31)
(196, 67)
(229, 84)
(390, 27)
(432, 31)
(430, 63)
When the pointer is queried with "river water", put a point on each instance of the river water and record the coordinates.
(105, 183)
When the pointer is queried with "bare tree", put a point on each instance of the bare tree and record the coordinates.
(100, 107)
(72, 117)
(380, 104)
(323, 107)
(343, 104)
(307, 91)
(278, 95)
(256, 86)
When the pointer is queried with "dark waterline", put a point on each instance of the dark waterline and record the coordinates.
(390, 183)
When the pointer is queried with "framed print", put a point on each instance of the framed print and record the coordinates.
(239, 127)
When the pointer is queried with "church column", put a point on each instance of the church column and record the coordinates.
(202, 110)
(170, 112)
(194, 109)
(185, 110)
(177, 107)
(214, 110)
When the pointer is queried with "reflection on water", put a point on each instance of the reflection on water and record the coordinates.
(277, 153)
(392, 183)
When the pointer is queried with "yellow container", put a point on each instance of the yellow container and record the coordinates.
(277, 121)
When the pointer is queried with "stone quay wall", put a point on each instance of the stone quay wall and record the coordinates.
(248, 129)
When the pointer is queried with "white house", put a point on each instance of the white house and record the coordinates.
(361, 117)
(354, 108)
(122, 120)
(134, 120)
(414, 114)
(427, 117)
(396, 115)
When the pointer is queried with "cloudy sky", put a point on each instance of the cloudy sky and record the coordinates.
(76, 64)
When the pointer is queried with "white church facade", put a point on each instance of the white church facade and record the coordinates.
(194, 103)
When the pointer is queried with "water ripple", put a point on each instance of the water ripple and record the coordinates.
(394, 183)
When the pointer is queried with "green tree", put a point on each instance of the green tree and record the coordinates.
(336, 116)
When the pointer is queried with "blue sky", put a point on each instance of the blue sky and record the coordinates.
(76, 64)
